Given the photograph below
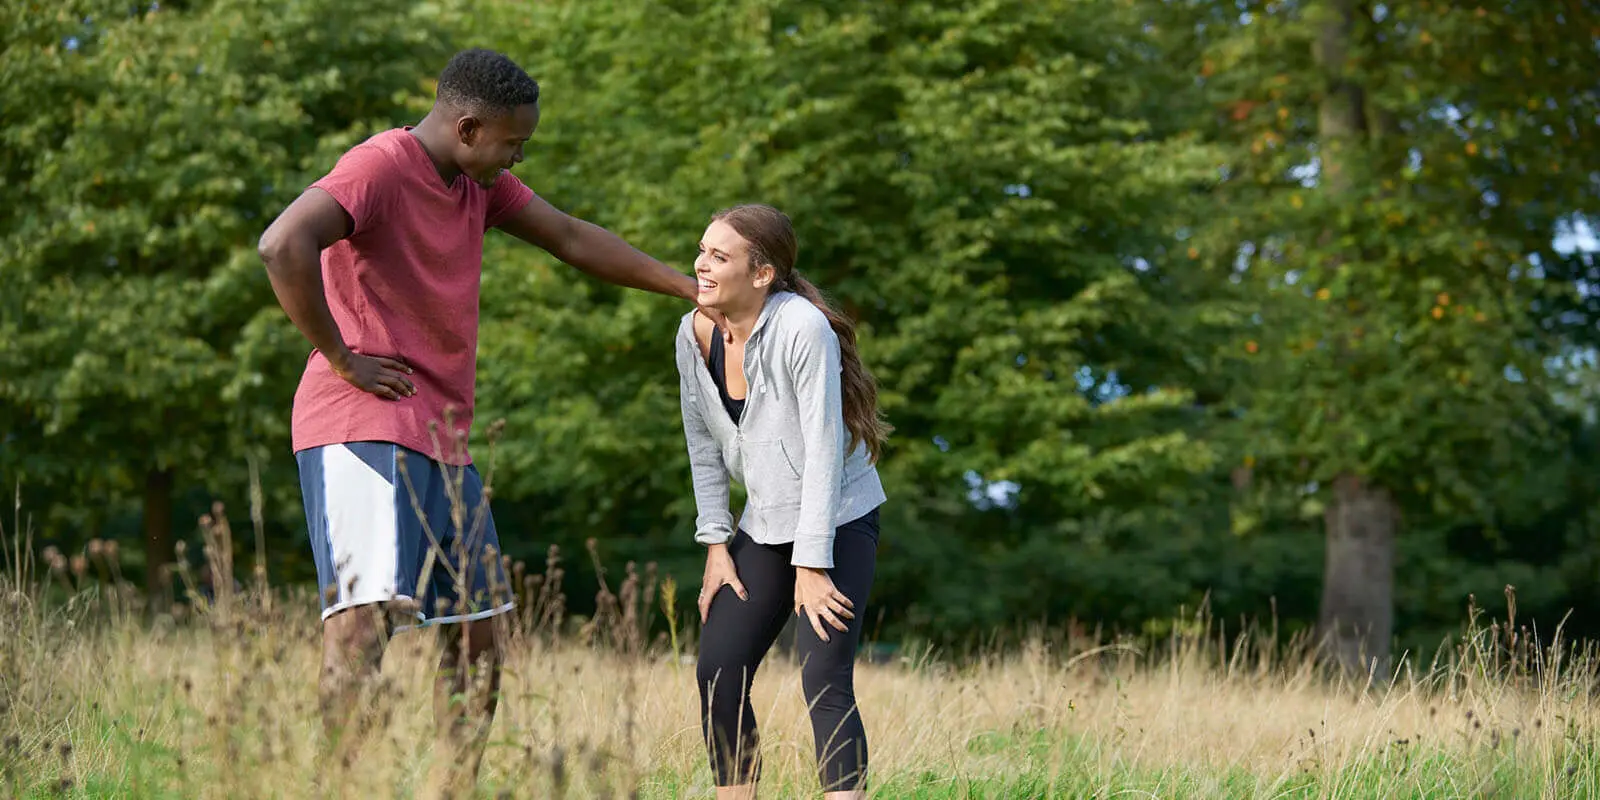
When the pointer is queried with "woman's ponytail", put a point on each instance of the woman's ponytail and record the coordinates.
(860, 390)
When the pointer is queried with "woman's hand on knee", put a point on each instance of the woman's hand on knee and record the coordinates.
(820, 601)
(720, 572)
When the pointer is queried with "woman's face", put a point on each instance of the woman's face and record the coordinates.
(727, 283)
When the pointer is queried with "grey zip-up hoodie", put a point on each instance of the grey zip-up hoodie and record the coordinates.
(788, 449)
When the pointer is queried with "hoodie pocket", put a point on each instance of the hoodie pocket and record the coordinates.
(770, 474)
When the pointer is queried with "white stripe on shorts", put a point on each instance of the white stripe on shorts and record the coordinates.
(362, 529)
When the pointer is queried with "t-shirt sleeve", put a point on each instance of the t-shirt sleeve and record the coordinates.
(507, 197)
(361, 182)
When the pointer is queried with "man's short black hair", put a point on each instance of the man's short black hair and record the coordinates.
(482, 81)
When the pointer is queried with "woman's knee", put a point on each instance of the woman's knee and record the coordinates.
(722, 676)
(828, 681)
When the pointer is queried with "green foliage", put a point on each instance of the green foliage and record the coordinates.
(1129, 308)
(976, 185)
(1406, 298)
(141, 334)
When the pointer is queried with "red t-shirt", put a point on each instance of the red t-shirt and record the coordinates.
(404, 284)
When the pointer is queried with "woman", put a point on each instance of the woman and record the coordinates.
(781, 403)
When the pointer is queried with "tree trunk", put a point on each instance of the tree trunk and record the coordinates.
(1341, 112)
(1357, 613)
(158, 549)
(1358, 576)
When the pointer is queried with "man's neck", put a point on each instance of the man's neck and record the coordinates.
(434, 134)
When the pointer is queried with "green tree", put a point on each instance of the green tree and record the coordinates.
(985, 187)
(143, 351)
(1399, 172)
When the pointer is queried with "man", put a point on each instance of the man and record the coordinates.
(398, 521)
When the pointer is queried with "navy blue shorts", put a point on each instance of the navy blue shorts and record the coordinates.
(390, 525)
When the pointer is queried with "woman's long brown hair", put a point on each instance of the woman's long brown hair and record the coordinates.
(773, 243)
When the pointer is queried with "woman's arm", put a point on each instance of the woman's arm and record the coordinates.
(814, 365)
(713, 521)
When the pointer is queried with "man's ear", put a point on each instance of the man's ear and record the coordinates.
(468, 128)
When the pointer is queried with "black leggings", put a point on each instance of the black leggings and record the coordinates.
(738, 633)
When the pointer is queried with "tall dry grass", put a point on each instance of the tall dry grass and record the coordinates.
(99, 698)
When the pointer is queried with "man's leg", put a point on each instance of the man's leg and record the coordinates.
(353, 642)
(467, 592)
(352, 515)
(465, 695)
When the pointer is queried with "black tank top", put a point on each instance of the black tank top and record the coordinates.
(719, 376)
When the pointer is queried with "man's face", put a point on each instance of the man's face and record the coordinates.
(492, 144)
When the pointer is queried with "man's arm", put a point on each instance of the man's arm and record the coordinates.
(291, 249)
(595, 250)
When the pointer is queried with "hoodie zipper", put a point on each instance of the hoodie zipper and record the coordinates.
(749, 395)
(751, 377)
(754, 377)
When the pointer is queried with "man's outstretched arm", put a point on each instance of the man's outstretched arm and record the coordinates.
(291, 248)
(595, 250)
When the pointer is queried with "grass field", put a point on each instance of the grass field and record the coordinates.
(96, 701)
